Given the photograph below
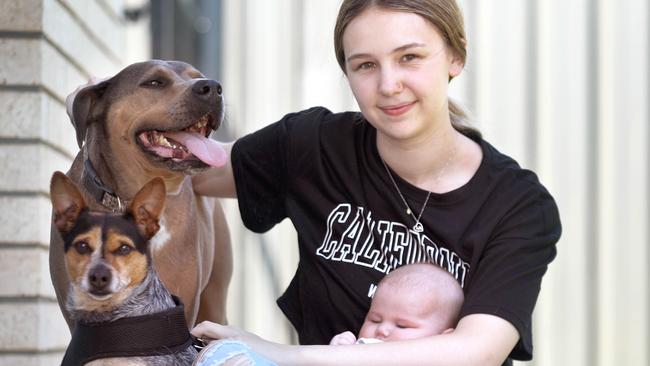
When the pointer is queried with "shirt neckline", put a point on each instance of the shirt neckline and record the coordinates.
(416, 194)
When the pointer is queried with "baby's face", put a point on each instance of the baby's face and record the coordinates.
(400, 315)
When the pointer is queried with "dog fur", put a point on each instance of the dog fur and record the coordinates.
(191, 252)
(107, 258)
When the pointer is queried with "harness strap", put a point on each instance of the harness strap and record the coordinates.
(155, 334)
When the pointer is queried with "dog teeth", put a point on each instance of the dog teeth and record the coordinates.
(159, 139)
(200, 126)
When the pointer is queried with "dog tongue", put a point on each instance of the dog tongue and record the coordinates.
(206, 149)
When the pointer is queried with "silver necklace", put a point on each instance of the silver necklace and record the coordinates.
(417, 227)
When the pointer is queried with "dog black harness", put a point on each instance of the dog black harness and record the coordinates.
(155, 334)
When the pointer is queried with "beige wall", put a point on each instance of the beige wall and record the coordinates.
(47, 48)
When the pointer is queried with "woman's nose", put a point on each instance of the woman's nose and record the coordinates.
(390, 82)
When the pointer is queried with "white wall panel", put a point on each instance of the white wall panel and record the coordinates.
(623, 174)
(323, 81)
(499, 50)
(562, 106)
(262, 74)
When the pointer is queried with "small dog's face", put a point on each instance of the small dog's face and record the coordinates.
(105, 259)
(155, 114)
(106, 254)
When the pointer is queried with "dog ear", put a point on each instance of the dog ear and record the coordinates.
(67, 202)
(85, 108)
(147, 206)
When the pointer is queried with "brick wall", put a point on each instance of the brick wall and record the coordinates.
(47, 48)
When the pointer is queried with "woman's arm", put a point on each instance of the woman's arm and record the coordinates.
(217, 182)
(479, 339)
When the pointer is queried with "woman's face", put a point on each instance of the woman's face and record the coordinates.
(398, 66)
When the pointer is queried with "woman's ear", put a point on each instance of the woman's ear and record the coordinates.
(456, 65)
(455, 68)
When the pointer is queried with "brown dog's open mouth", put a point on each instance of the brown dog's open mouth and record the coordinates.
(187, 144)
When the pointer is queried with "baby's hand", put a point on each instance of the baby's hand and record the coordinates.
(344, 338)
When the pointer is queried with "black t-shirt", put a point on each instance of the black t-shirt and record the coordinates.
(495, 235)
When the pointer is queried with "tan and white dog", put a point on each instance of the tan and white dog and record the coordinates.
(153, 119)
(123, 313)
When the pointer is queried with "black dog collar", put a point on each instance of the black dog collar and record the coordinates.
(102, 193)
(156, 334)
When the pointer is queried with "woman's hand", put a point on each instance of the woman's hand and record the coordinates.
(213, 331)
(209, 331)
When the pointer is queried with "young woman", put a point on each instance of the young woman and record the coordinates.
(400, 182)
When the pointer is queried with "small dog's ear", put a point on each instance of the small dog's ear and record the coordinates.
(86, 108)
(147, 206)
(67, 202)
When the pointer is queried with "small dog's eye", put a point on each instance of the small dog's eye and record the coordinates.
(124, 249)
(82, 247)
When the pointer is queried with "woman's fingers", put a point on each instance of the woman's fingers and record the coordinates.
(206, 329)
(212, 330)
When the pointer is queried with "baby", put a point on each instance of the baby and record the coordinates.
(412, 301)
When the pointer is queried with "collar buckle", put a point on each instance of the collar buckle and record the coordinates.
(113, 203)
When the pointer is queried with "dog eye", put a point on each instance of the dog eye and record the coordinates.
(154, 83)
(124, 249)
(82, 247)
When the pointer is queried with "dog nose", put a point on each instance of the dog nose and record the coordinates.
(207, 88)
(99, 277)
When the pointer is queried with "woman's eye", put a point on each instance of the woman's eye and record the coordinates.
(409, 57)
(366, 66)
(82, 247)
(124, 249)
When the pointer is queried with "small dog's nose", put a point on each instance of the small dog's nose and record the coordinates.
(207, 88)
(99, 277)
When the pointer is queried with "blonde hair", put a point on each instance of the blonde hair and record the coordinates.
(445, 15)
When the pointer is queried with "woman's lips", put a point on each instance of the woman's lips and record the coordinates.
(396, 110)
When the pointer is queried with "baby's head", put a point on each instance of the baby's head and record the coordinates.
(413, 301)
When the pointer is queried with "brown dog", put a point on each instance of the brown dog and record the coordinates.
(151, 120)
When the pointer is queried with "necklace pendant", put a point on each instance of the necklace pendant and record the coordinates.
(418, 228)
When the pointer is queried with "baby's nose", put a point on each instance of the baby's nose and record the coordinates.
(383, 331)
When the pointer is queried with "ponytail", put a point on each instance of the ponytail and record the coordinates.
(459, 120)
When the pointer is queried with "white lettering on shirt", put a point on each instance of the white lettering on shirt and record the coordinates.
(351, 233)
(371, 290)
